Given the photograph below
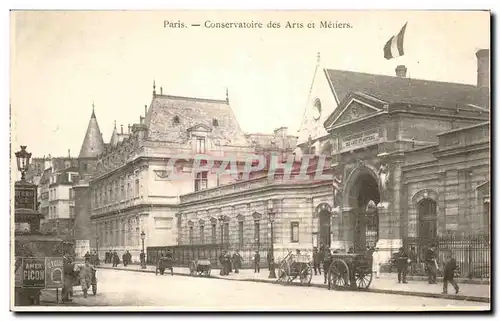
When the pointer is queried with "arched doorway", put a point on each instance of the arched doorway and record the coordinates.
(427, 218)
(324, 212)
(363, 198)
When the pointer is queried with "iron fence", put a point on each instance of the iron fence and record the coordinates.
(472, 252)
(183, 254)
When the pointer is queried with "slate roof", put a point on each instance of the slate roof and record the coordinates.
(392, 89)
(114, 137)
(93, 143)
(191, 112)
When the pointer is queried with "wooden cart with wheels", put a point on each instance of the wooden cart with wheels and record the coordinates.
(163, 264)
(200, 267)
(350, 271)
(295, 267)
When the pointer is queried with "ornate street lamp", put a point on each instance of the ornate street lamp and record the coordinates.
(221, 222)
(97, 249)
(23, 161)
(143, 236)
(271, 213)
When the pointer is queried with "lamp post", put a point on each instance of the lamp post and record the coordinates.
(143, 236)
(271, 213)
(221, 222)
(23, 161)
(97, 249)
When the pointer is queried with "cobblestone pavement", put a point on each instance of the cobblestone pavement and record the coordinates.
(146, 290)
(386, 283)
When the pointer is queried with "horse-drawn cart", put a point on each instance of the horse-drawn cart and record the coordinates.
(294, 267)
(200, 267)
(350, 271)
(163, 264)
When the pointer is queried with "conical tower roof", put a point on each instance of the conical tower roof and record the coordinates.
(114, 137)
(93, 143)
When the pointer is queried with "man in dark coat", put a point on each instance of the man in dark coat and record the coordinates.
(68, 272)
(124, 259)
(431, 263)
(237, 261)
(256, 262)
(222, 263)
(116, 259)
(316, 261)
(450, 266)
(402, 265)
(327, 260)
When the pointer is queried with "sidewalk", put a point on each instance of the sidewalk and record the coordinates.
(387, 283)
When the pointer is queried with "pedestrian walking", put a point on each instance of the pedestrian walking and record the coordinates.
(68, 272)
(316, 261)
(402, 265)
(222, 263)
(256, 262)
(116, 259)
(450, 266)
(237, 261)
(431, 263)
(376, 263)
(327, 260)
(124, 259)
(85, 274)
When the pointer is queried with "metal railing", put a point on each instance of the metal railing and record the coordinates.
(472, 252)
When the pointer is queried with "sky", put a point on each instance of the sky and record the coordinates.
(62, 62)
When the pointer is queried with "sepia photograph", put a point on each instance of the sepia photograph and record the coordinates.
(272, 160)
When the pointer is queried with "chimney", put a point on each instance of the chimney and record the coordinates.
(121, 128)
(401, 71)
(161, 90)
(128, 128)
(69, 153)
(145, 110)
(483, 68)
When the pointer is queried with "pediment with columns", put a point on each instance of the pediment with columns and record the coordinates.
(356, 106)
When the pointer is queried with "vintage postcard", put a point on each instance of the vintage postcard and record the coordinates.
(250, 160)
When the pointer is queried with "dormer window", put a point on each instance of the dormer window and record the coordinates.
(176, 120)
(215, 122)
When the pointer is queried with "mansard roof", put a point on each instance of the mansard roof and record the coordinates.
(169, 118)
(93, 143)
(392, 89)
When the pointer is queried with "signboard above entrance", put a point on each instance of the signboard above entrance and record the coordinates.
(360, 140)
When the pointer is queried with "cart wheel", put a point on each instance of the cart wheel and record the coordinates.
(94, 289)
(282, 276)
(306, 275)
(338, 275)
(363, 277)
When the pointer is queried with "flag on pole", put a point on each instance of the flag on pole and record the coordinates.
(394, 47)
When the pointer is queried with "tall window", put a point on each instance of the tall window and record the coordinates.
(214, 233)
(201, 181)
(200, 145)
(202, 234)
(257, 232)
(240, 234)
(190, 235)
(226, 232)
(295, 232)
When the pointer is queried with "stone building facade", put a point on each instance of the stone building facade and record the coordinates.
(409, 158)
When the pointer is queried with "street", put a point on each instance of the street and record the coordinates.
(136, 289)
